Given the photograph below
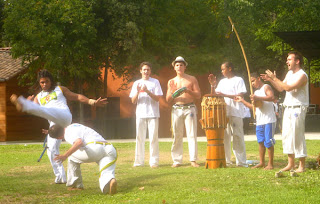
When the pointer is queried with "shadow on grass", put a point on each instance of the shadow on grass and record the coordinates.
(142, 181)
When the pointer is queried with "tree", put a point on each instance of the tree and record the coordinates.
(1, 21)
(71, 38)
(186, 28)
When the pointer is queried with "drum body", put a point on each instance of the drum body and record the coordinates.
(215, 149)
(214, 121)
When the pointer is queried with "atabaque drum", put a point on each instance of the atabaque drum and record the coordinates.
(214, 121)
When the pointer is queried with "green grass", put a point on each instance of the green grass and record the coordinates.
(24, 180)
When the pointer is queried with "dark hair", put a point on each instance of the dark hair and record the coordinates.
(228, 65)
(45, 73)
(56, 131)
(145, 63)
(255, 75)
(297, 56)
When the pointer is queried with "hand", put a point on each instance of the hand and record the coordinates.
(138, 88)
(265, 77)
(212, 80)
(44, 131)
(253, 97)
(30, 98)
(271, 75)
(172, 86)
(101, 102)
(144, 88)
(219, 93)
(187, 91)
(60, 158)
(238, 98)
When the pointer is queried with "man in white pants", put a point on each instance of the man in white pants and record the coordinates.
(296, 102)
(230, 87)
(145, 93)
(51, 104)
(184, 112)
(87, 146)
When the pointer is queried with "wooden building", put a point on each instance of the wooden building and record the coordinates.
(13, 124)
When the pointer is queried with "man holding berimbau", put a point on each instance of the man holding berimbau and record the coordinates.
(183, 90)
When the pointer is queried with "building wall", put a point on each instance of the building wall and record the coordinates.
(21, 126)
(314, 95)
(127, 109)
(2, 111)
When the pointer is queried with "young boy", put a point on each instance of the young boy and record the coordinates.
(265, 119)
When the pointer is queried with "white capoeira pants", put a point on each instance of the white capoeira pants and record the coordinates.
(104, 155)
(293, 128)
(184, 118)
(235, 129)
(142, 126)
(58, 116)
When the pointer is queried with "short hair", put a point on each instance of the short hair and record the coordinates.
(228, 65)
(255, 75)
(145, 63)
(56, 131)
(297, 56)
(45, 73)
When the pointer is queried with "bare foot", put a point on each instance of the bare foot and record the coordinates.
(300, 170)
(287, 168)
(194, 164)
(260, 165)
(14, 100)
(269, 167)
(111, 187)
(176, 165)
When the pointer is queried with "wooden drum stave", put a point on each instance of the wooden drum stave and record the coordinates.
(214, 121)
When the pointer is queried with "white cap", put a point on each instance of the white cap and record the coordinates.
(179, 59)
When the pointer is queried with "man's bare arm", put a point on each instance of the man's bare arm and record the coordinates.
(76, 145)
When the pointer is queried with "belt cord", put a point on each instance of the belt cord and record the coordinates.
(111, 163)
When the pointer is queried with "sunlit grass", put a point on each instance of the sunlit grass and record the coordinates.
(24, 180)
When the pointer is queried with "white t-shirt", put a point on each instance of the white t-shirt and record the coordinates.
(298, 96)
(233, 86)
(247, 113)
(86, 134)
(54, 98)
(264, 114)
(146, 106)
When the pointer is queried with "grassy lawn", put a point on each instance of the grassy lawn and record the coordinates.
(24, 180)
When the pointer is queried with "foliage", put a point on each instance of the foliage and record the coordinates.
(256, 21)
(71, 38)
(23, 180)
(186, 28)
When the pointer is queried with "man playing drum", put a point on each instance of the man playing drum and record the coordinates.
(184, 113)
(230, 87)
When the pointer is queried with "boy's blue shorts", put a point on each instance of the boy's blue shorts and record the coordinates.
(265, 134)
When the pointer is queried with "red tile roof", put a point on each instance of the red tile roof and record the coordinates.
(9, 67)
